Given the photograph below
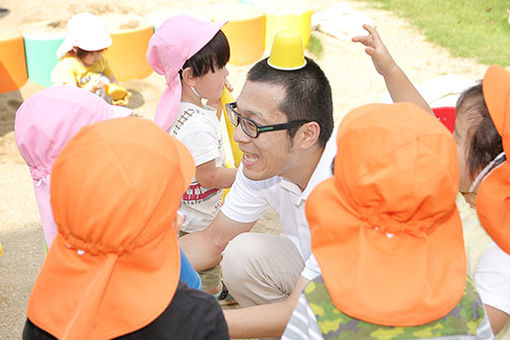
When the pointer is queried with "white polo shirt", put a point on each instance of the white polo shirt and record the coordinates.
(247, 201)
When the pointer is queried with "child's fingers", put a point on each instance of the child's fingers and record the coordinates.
(228, 85)
(370, 51)
(364, 39)
(372, 31)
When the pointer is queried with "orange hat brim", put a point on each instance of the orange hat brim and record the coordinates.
(493, 205)
(138, 288)
(399, 281)
(496, 92)
(493, 199)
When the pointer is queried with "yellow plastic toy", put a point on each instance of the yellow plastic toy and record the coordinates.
(287, 52)
(226, 190)
(118, 93)
(226, 97)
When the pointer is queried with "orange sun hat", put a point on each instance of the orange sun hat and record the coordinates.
(114, 265)
(385, 229)
(493, 199)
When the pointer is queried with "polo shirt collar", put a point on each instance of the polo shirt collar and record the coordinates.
(322, 170)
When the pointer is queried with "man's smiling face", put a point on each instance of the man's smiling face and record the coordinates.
(271, 153)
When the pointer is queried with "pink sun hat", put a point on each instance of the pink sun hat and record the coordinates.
(44, 124)
(175, 41)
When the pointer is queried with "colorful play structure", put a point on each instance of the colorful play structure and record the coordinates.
(250, 31)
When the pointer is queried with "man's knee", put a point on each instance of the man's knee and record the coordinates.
(239, 255)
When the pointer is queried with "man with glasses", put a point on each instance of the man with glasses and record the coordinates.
(283, 121)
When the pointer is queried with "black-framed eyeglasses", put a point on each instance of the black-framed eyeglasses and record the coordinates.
(253, 129)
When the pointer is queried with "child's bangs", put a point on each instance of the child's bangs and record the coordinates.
(219, 44)
(212, 56)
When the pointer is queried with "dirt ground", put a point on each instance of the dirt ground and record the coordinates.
(353, 79)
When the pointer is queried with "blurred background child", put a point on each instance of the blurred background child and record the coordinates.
(192, 55)
(81, 56)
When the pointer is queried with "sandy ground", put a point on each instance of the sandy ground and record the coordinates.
(352, 76)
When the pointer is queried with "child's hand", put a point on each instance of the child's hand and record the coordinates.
(375, 48)
(97, 85)
(228, 85)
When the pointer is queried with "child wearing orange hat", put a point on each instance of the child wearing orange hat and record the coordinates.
(387, 235)
(482, 135)
(113, 268)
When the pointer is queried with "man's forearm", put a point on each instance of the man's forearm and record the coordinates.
(267, 320)
(200, 250)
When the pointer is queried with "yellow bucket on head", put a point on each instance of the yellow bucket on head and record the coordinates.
(287, 52)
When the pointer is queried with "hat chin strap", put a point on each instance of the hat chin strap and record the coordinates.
(195, 92)
(485, 171)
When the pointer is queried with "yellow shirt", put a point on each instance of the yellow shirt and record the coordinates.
(69, 70)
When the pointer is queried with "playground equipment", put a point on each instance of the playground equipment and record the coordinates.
(446, 115)
(250, 31)
(226, 97)
(40, 49)
(126, 56)
(13, 67)
(246, 36)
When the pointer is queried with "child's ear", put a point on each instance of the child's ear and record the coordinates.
(187, 77)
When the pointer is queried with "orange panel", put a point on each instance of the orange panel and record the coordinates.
(127, 53)
(13, 66)
(246, 38)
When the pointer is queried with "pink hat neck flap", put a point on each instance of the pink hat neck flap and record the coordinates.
(44, 124)
(175, 41)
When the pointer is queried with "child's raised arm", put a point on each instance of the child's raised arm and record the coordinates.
(399, 86)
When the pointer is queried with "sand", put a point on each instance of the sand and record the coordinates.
(353, 79)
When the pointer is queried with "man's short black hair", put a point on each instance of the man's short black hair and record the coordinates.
(307, 94)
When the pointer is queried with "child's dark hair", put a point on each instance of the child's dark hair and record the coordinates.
(80, 54)
(484, 140)
(213, 55)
